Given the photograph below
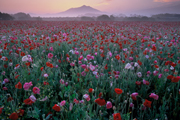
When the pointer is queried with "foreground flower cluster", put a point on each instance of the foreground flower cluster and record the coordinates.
(89, 70)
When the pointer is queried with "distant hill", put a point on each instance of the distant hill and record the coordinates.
(80, 11)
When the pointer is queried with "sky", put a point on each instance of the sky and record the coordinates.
(56, 6)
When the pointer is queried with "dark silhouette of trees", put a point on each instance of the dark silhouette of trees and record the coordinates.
(5, 16)
(103, 18)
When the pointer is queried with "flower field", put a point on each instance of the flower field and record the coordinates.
(89, 70)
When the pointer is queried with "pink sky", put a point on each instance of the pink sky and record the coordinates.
(55, 6)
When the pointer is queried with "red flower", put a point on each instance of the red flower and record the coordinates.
(18, 85)
(100, 101)
(45, 83)
(16, 77)
(56, 108)
(41, 68)
(91, 90)
(22, 54)
(169, 77)
(100, 94)
(20, 112)
(175, 79)
(117, 57)
(13, 116)
(117, 116)
(118, 91)
(1, 110)
(9, 99)
(106, 67)
(28, 101)
(147, 103)
(138, 83)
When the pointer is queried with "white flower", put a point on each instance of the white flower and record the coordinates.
(128, 66)
(33, 98)
(25, 58)
(172, 68)
(139, 74)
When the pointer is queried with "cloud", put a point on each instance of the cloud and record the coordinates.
(166, 0)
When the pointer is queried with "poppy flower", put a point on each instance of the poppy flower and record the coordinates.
(28, 101)
(100, 94)
(175, 79)
(20, 112)
(56, 108)
(117, 57)
(106, 67)
(18, 85)
(169, 77)
(1, 110)
(42, 68)
(147, 103)
(13, 116)
(36, 90)
(100, 101)
(91, 90)
(118, 91)
(117, 116)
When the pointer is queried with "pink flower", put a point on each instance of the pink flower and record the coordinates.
(63, 103)
(108, 105)
(26, 86)
(6, 80)
(5, 88)
(131, 105)
(72, 64)
(32, 98)
(51, 49)
(152, 95)
(61, 81)
(83, 73)
(50, 55)
(36, 90)
(83, 66)
(45, 75)
(130, 58)
(75, 101)
(87, 97)
(160, 75)
(134, 95)
(82, 101)
(145, 82)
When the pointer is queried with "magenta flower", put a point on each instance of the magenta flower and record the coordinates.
(83, 73)
(152, 95)
(51, 49)
(108, 105)
(6, 80)
(83, 66)
(134, 95)
(36, 90)
(160, 75)
(50, 55)
(26, 86)
(63, 103)
(131, 105)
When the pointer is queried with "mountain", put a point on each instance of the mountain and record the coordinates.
(80, 11)
(173, 7)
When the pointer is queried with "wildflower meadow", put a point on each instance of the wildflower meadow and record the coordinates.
(89, 70)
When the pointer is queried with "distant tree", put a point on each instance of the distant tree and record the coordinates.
(112, 17)
(84, 18)
(103, 18)
(5, 16)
